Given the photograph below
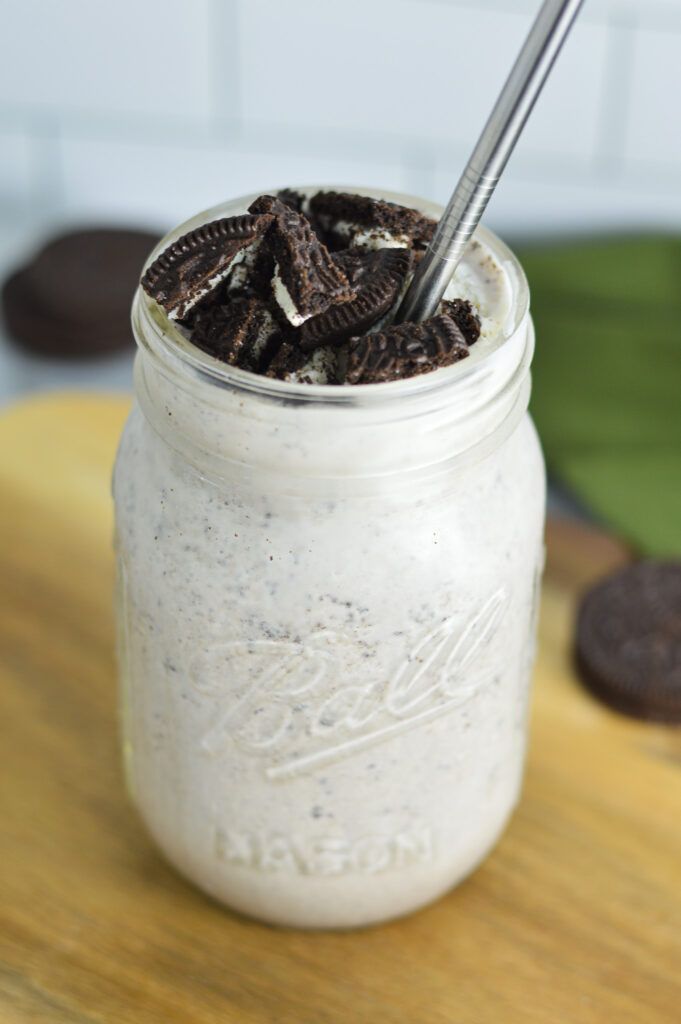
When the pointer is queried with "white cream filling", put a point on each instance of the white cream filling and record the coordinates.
(319, 369)
(284, 300)
(238, 277)
(378, 238)
(367, 237)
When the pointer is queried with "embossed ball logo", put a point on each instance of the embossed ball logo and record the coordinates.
(295, 704)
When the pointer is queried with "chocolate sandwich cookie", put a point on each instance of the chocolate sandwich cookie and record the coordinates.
(73, 299)
(306, 281)
(376, 278)
(628, 640)
(240, 333)
(349, 220)
(197, 264)
(405, 351)
(465, 318)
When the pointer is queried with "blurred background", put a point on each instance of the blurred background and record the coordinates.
(140, 114)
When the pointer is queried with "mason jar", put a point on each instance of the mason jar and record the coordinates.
(327, 603)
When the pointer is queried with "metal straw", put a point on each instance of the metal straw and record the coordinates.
(483, 170)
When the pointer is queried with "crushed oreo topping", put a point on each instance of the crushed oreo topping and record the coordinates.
(377, 279)
(347, 217)
(238, 333)
(263, 292)
(197, 264)
(405, 350)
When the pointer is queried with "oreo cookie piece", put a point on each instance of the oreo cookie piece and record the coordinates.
(351, 220)
(295, 200)
(465, 318)
(318, 367)
(196, 265)
(284, 361)
(377, 278)
(306, 281)
(628, 640)
(240, 333)
(405, 351)
(73, 299)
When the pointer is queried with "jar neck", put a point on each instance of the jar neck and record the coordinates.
(325, 441)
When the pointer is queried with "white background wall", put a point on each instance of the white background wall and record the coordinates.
(147, 110)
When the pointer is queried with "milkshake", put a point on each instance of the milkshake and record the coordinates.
(327, 603)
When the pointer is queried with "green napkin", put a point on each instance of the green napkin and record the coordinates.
(606, 394)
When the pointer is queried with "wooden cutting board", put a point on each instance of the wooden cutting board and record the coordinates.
(576, 916)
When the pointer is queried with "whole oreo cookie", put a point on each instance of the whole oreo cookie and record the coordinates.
(74, 298)
(628, 640)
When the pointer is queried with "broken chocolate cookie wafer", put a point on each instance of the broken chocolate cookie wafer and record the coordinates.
(306, 281)
(290, 197)
(405, 350)
(377, 278)
(286, 359)
(240, 333)
(352, 220)
(197, 264)
(628, 640)
(464, 317)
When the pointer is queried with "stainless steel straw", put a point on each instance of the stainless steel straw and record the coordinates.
(483, 170)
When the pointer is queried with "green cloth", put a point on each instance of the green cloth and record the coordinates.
(607, 378)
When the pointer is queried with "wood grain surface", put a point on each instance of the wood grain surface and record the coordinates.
(576, 916)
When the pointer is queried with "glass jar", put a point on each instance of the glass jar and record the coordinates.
(327, 602)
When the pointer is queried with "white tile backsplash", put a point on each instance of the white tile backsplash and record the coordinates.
(565, 119)
(16, 168)
(147, 57)
(395, 68)
(164, 185)
(654, 130)
(149, 111)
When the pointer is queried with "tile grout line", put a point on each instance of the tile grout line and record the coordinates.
(47, 173)
(226, 77)
(615, 99)
(267, 137)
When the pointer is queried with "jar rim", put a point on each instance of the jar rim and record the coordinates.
(149, 321)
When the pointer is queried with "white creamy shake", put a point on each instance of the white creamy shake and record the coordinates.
(327, 605)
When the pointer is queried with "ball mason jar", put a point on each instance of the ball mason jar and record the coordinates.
(327, 605)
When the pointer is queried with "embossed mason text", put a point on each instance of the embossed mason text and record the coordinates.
(324, 855)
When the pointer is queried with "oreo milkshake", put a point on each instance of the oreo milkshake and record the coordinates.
(329, 546)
